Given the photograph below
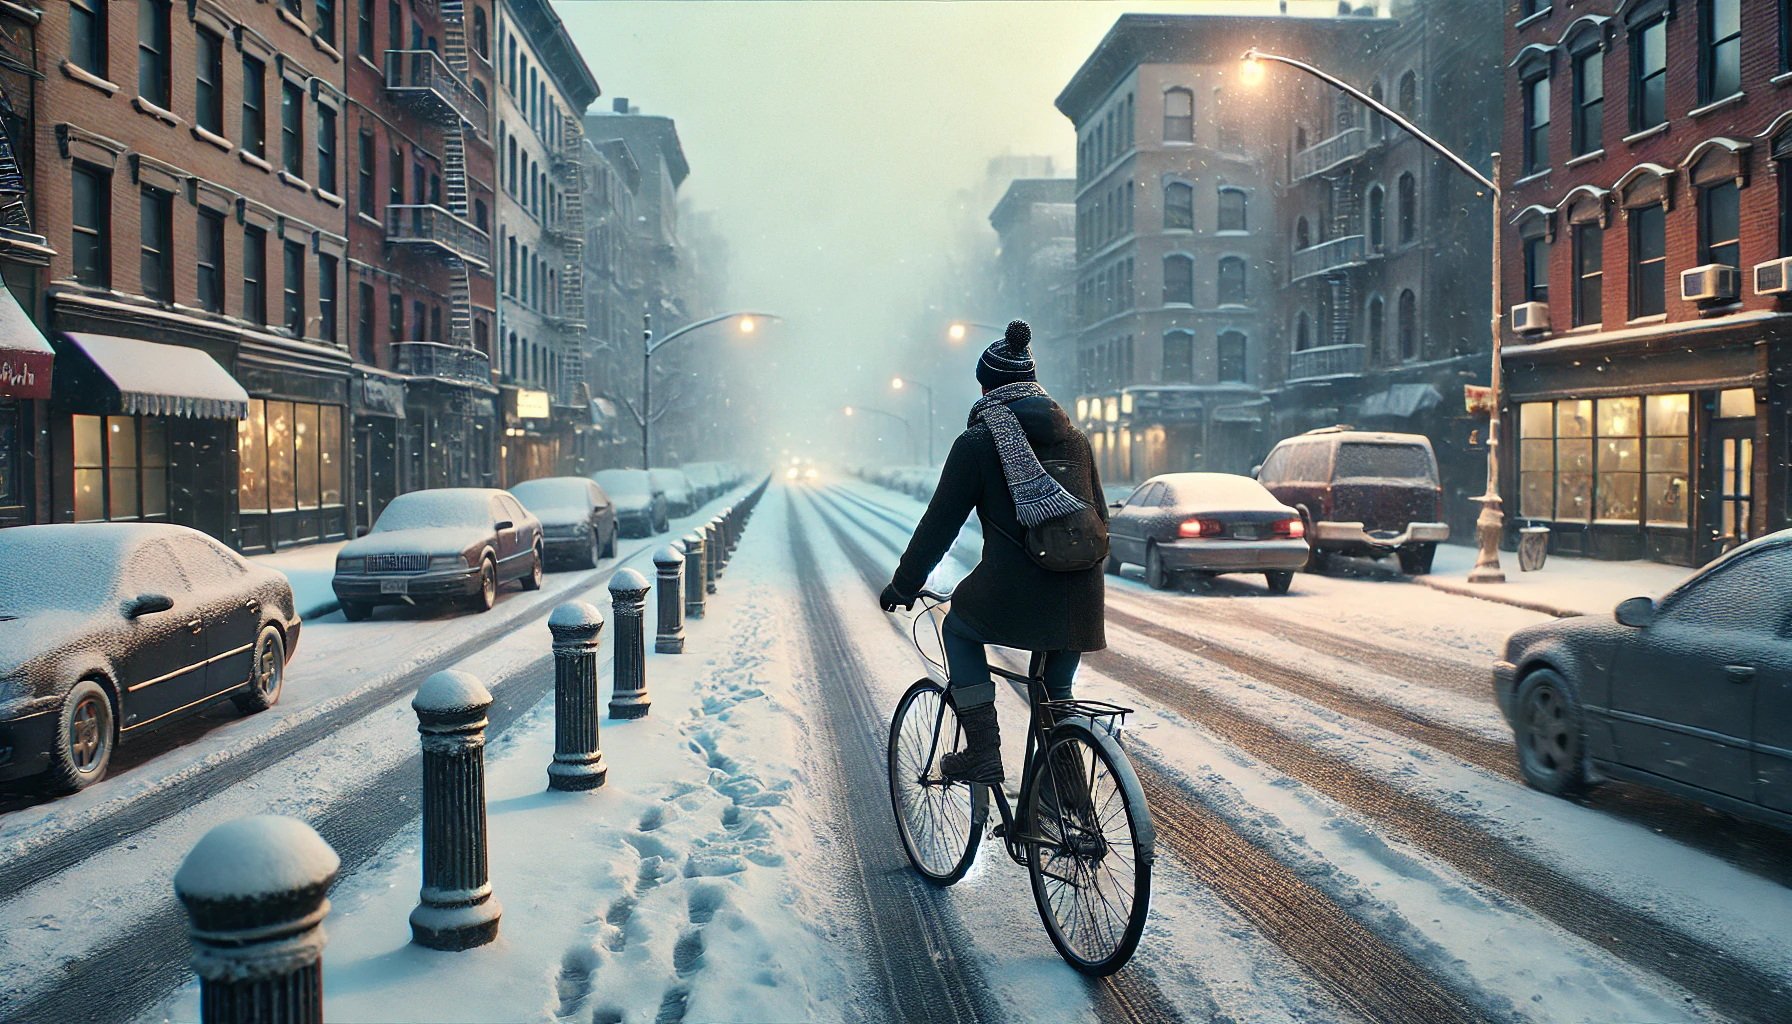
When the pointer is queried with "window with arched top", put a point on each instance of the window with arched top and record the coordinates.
(1409, 326)
(1179, 279)
(1409, 208)
(1179, 357)
(1303, 333)
(1234, 205)
(1232, 356)
(1377, 217)
(1303, 234)
(1179, 205)
(1407, 101)
(1378, 125)
(1377, 325)
(1179, 115)
(481, 33)
(1232, 282)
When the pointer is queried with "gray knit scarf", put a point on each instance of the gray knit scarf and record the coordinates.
(1037, 497)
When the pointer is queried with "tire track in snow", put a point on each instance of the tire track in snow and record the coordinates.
(1349, 960)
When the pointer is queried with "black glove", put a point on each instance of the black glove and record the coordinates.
(891, 599)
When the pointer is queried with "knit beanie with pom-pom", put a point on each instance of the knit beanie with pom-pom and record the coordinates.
(1008, 360)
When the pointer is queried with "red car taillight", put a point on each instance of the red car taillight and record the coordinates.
(1291, 528)
(1201, 528)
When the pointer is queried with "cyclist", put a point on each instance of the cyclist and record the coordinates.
(1008, 600)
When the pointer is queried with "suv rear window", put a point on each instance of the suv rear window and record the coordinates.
(1394, 461)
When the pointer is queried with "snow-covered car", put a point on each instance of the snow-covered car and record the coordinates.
(1206, 524)
(681, 497)
(1691, 693)
(640, 506)
(1361, 492)
(147, 623)
(442, 545)
(706, 477)
(578, 523)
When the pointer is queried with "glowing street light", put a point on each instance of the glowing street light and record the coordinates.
(649, 345)
(958, 330)
(897, 384)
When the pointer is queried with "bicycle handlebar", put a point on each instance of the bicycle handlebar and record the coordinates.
(934, 595)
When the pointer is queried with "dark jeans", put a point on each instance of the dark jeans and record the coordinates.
(967, 666)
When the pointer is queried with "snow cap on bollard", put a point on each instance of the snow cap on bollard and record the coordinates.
(667, 557)
(626, 583)
(450, 692)
(574, 616)
(253, 872)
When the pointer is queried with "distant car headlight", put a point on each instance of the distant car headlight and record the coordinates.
(791, 473)
(351, 565)
(447, 562)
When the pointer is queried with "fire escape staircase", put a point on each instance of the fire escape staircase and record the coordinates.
(454, 172)
(572, 260)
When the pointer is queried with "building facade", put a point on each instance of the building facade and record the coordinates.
(26, 358)
(1035, 225)
(613, 287)
(1648, 215)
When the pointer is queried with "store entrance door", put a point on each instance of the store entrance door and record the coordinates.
(1731, 457)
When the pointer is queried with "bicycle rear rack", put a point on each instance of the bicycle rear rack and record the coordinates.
(1109, 716)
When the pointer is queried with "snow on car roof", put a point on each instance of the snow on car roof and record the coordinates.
(559, 488)
(1213, 490)
(624, 481)
(34, 561)
(442, 506)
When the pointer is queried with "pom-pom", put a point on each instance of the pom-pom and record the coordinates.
(1019, 336)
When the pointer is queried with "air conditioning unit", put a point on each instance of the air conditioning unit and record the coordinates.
(1713, 282)
(1530, 317)
(1774, 277)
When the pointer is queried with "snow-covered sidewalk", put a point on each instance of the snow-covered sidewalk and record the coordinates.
(1564, 586)
(309, 569)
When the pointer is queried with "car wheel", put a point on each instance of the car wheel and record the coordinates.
(533, 580)
(85, 739)
(1279, 581)
(267, 674)
(487, 594)
(1551, 740)
(1416, 560)
(1156, 576)
(594, 553)
(610, 545)
(355, 612)
(1113, 564)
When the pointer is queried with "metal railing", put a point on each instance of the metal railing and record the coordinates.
(438, 227)
(444, 362)
(1329, 153)
(1326, 257)
(1326, 361)
(422, 77)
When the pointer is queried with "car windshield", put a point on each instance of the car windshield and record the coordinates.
(1358, 460)
(556, 492)
(422, 510)
(625, 483)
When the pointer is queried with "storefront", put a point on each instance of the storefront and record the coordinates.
(292, 449)
(1141, 432)
(26, 361)
(376, 403)
(450, 434)
(531, 446)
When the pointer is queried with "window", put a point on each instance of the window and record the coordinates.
(1409, 208)
(208, 88)
(326, 298)
(87, 35)
(1232, 351)
(419, 320)
(1409, 326)
(1720, 224)
(1589, 273)
(1179, 115)
(364, 171)
(153, 76)
(394, 25)
(293, 289)
(481, 34)
(1407, 101)
(1536, 269)
(1377, 327)
(292, 128)
(1536, 124)
(1179, 205)
(1179, 357)
(1648, 261)
(255, 116)
(1232, 282)
(1233, 208)
(1179, 280)
(1526, 8)
(120, 468)
(364, 323)
(326, 148)
(1649, 75)
(394, 317)
(255, 274)
(1303, 234)
(1378, 197)
(1720, 49)
(1303, 333)
(1589, 101)
(90, 250)
(364, 28)
(156, 265)
(211, 260)
(326, 21)
(1667, 462)
(289, 456)
(481, 215)
(395, 178)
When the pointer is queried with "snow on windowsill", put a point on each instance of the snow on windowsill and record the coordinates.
(80, 74)
(161, 114)
(1715, 105)
(210, 139)
(1586, 158)
(1647, 133)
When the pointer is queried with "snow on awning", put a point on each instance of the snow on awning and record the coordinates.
(25, 357)
(152, 379)
(1401, 401)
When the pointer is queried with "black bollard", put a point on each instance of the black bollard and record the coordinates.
(628, 600)
(578, 759)
(696, 575)
(456, 908)
(254, 893)
(731, 522)
(669, 637)
(712, 547)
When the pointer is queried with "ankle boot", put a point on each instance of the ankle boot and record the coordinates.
(980, 760)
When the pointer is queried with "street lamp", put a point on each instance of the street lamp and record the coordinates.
(908, 428)
(898, 383)
(960, 328)
(1490, 526)
(649, 345)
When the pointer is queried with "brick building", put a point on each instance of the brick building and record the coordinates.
(1035, 224)
(26, 358)
(613, 292)
(1647, 212)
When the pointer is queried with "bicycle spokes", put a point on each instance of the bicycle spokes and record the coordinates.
(1086, 861)
(936, 818)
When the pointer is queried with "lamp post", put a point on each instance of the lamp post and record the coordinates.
(649, 345)
(1490, 525)
(957, 330)
(898, 383)
(908, 429)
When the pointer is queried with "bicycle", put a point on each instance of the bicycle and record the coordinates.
(1081, 829)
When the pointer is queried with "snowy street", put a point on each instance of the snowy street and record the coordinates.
(1342, 832)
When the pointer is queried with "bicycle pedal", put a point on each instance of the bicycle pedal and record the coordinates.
(1000, 831)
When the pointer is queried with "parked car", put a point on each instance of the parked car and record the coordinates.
(1691, 694)
(450, 544)
(1207, 524)
(640, 506)
(706, 478)
(681, 497)
(110, 630)
(578, 523)
(1361, 493)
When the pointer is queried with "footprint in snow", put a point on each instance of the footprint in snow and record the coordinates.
(703, 902)
(573, 985)
(673, 1006)
(687, 954)
(652, 818)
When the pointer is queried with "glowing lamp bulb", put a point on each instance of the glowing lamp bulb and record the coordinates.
(896, 383)
(849, 410)
(747, 326)
(1253, 69)
(955, 332)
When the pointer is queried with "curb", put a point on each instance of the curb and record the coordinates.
(1488, 592)
(318, 610)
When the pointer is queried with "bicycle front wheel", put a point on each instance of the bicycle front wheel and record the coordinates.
(1090, 846)
(940, 822)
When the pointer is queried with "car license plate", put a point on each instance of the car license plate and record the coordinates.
(1244, 533)
(393, 586)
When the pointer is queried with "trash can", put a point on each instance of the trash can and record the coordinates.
(1533, 547)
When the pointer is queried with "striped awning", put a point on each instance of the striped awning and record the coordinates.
(146, 378)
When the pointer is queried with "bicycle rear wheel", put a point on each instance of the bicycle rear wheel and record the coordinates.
(1090, 848)
(940, 822)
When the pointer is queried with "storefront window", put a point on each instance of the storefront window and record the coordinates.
(121, 468)
(1615, 460)
(281, 483)
(1574, 460)
(289, 456)
(11, 486)
(1668, 462)
(329, 454)
(1536, 460)
(1737, 403)
(1620, 459)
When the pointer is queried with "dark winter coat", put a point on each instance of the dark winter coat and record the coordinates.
(1007, 599)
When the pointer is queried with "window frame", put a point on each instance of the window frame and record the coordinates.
(1580, 314)
(1642, 80)
(155, 56)
(254, 267)
(155, 253)
(1712, 63)
(255, 107)
(1636, 263)
(1179, 215)
(99, 231)
(1587, 131)
(1232, 281)
(1536, 132)
(1178, 128)
(209, 274)
(292, 287)
(1182, 369)
(1712, 250)
(1185, 261)
(292, 128)
(1241, 358)
(1406, 212)
(99, 36)
(1239, 209)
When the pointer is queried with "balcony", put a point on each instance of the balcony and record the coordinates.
(1327, 257)
(422, 79)
(439, 232)
(443, 362)
(1326, 361)
(1322, 156)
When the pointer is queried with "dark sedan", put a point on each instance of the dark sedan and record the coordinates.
(145, 624)
(578, 523)
(1691, 694)
(1206, 524)
(444, 545)
(641, 506)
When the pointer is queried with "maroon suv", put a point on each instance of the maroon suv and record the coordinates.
(1361, 493)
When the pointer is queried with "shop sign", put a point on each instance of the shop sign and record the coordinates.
(1478, 400)
(24, 374)
(533, 405)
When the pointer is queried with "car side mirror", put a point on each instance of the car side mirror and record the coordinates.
(1256, 471)
(1636, 612)
(1116, 505)
(147, 604)
(360, 531)
(503, 524)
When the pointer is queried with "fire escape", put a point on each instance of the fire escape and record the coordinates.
(570, 233)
